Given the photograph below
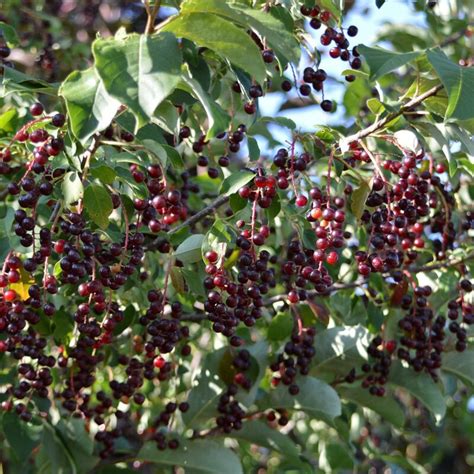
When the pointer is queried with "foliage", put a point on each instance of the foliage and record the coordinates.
(188, 283)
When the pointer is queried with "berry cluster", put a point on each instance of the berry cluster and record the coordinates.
(296, 357)
(401, 214)
(244, 297)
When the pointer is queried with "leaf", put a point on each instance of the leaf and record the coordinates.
(259, 433)
(280, 327)
(199, 456)
(139, 70)
(338, 343)
(386, 407)
(16, 81)
(207, 389)
(221, 36)
(104, 173)
(315, 397)
(9, 33)
(72, 188)
(382, 61)
(98, 204)
(19, 436)
(177, 280)
(217, 239)
(189, 251)
(8, 121)
(254, 149)
(375, 106)
(358, 199)
(53, 455)
(235, 181)
(90, 108)
(459, 82)
(460, 364)
(421, 386)
(217, 117)
(157, 150)
(23, 285)
(277, 36)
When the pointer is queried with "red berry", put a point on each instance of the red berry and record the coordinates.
(212, 256)
(9, 295)
(332, 258)
(36, 109)
(159, 362)
(301, 201)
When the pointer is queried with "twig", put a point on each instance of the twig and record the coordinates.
(445, 264)
(150, 23)
(379, 124)
(220, 201)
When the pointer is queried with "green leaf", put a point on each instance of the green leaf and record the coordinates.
(90, 108)
(177, 280)
(139, 70)
(277, 36)
(98, 204)
(18, 435)
(104, 173)
(386, 407)
(339, 348)
(421, 386)
(460, 364)
(9, 34)
(218, 119)
(221, 36)
(259, 433)
(254, 149)
(235, 181)
(358, 199)
(280, 327)
(459, 82)
(190, 250)
(315, 397)
(375, 106)
(72, 188)
(382, 61)
(16, 81)
(157, 150)
(53, 455)
(217, 238)
(8, 121)
(199, 456)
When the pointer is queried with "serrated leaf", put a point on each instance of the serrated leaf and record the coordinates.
(382, 61)
(235, 181)
(221, 36)
(459, 82)
(98, 204)
(90, 108)
(199, 456)
(189, 251)
(139, 70)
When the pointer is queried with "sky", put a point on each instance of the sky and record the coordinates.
(369, 20)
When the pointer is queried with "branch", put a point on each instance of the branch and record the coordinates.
(445, 264)
(379, 124)
(220, 201)
(150, 23)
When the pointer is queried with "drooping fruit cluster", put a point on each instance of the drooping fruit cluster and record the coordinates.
(402, 214)
(230, 302)
(296, 358)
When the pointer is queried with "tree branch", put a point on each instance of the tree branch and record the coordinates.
(379, 124)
